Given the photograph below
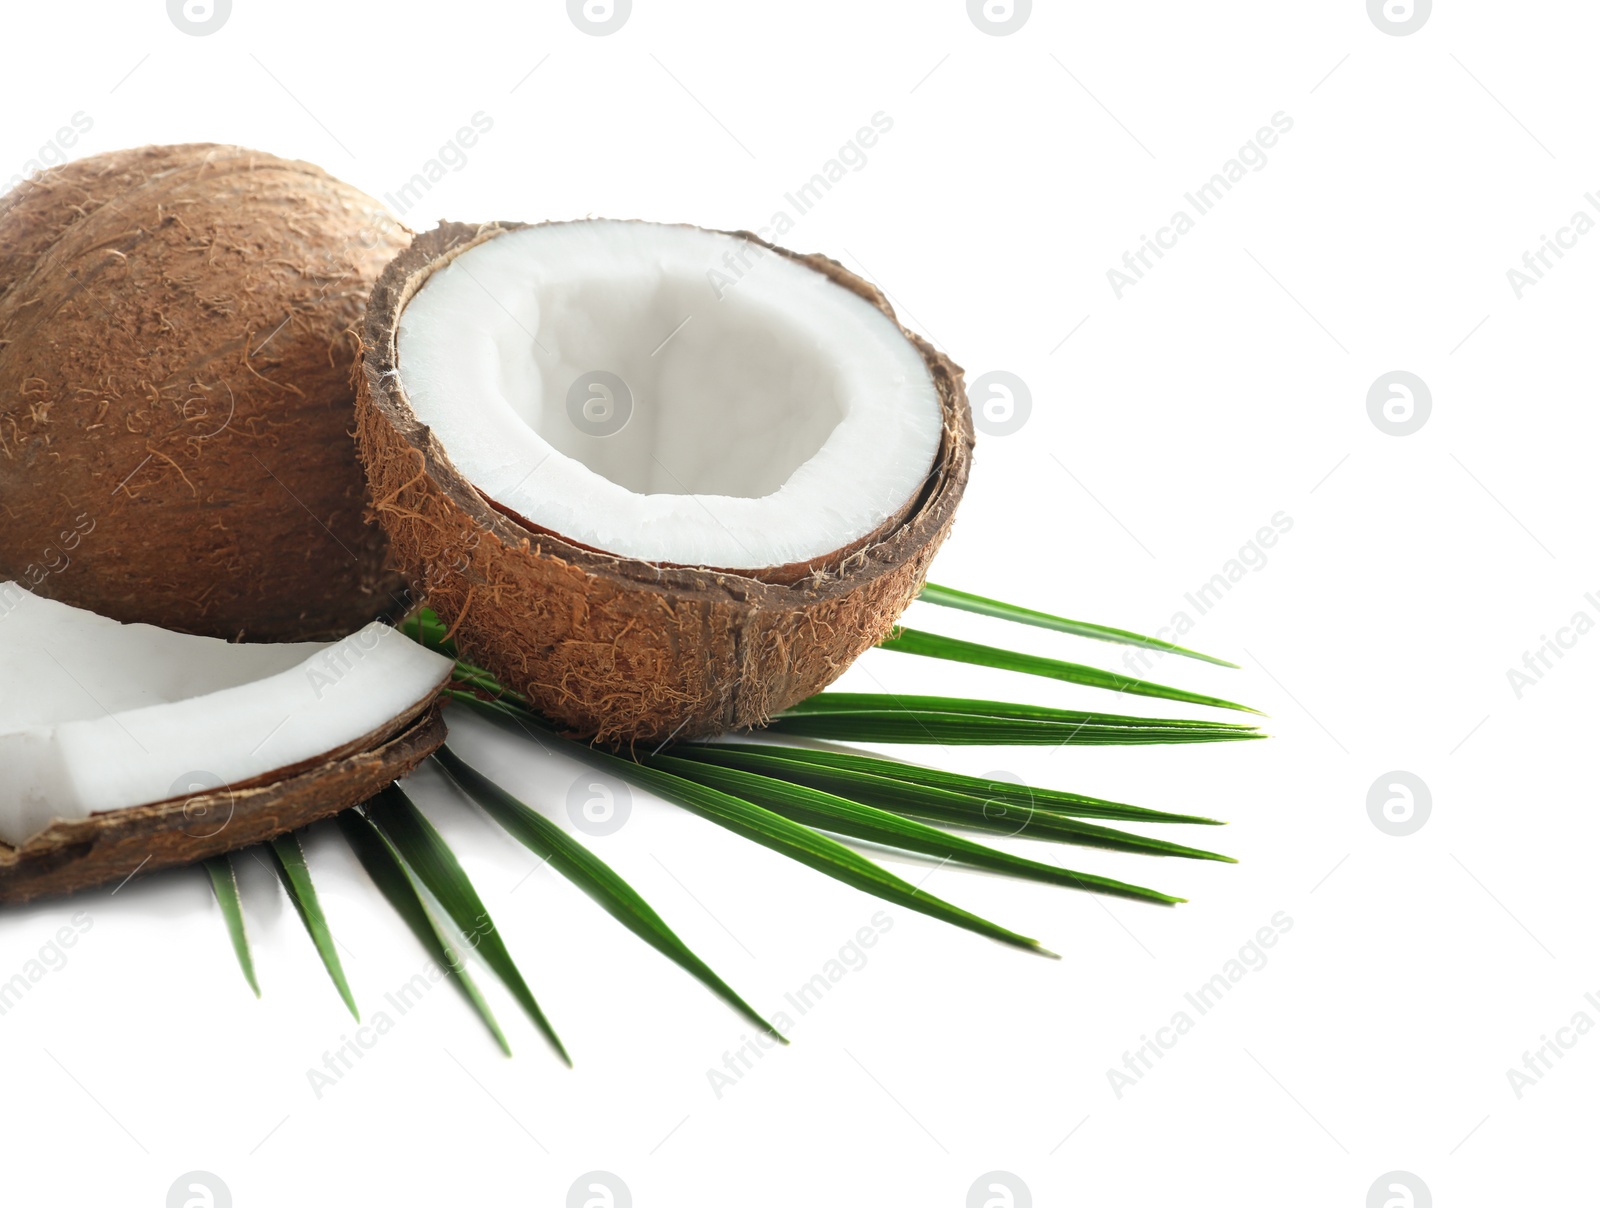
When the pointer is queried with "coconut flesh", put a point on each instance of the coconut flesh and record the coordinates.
(616, 383)
(664, 482)
(101, 716)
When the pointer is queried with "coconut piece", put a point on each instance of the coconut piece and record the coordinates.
(175, 400)
(615, 630)
(98, 716)
(112, 847)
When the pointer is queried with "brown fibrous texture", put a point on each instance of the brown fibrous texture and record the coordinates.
(618, 649)
(177, 330)
(114, 846)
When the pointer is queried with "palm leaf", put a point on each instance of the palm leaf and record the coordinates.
(813, 807)
(773, 830)
(226, 887)
(849, 769)
(949, 597)
(435, 865)
(395, 881)
(592, 875)
(933, 645)
(290, 860)
(945, 806)
(953, 721)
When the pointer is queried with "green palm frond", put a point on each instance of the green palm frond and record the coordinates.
(290, 861)
(949, 597)
(825, 811)
(226, 886)
(839, 770)
(931, 804)
(935, 645)
(956, 721)
(428, 856)
(773, 830)
(592, 875)
(785, 796)
(402, 890)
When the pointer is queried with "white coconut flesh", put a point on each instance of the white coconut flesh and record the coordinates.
(669, 394)
(96, 715)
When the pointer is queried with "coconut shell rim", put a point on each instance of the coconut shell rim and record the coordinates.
(925, 517)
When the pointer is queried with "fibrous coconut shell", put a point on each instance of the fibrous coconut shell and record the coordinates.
(616, 648)
(176, 340)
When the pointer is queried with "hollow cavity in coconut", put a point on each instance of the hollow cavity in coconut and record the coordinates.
(175, 399)
(663, 481)
(178, 746)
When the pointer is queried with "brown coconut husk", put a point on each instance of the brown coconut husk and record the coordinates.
(616, 648)
(176, 340)
(110, 847)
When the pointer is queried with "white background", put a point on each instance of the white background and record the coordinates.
(1167, 427)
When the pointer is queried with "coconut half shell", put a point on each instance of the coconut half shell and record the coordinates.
(176, 340)
(113, 846)
(616, 648)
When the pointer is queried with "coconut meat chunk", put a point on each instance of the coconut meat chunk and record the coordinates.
(96, 715)
(669, 394)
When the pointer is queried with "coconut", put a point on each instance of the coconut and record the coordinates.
(175, 400)
(128, 747)
(662, 481)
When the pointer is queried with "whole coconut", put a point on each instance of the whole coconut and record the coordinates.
(177, 331)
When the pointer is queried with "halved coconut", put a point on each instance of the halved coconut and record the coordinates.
(128, 746)
(175, 398)
(662, 480)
